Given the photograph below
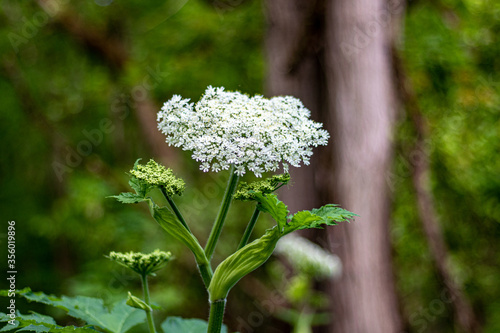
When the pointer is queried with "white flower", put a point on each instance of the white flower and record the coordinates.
(308, 257)
(253, 133)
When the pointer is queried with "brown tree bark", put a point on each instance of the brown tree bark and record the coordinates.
(294, 47)
(361, 95)
(319, 51)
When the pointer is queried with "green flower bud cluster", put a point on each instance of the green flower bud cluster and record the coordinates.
(143, 264)
(156, 175)
(247, 191)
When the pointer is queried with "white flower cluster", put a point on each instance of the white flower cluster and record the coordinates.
(308, 257)
(251, 133)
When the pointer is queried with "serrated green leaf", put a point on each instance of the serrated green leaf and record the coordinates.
(276, 208)
(171, 224)
(316, 218)
(241, 263)
(181, 325)
(36, 322)
(35, 328)
(333, 213)
(68, 329)
(128, 198)
(119, 319)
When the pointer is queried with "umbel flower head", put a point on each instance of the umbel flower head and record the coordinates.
(144, 264)
(252, 133)
(154, 174)
(269, 185)
(308, 257)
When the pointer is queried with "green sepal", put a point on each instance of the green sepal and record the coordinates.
(137, 303)
(168, 221)
(327, 215)
(276, 208)
(241, 263)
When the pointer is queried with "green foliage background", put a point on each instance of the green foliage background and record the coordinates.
(53, 88)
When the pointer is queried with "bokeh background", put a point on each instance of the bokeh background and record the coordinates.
(80, 82)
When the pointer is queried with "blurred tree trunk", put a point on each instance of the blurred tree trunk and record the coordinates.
(335, 56)
(363, 103)
(294, 48)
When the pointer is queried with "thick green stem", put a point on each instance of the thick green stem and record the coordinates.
(221, 217)
(206, 273)
(149, 314)
(216, 316)
(249, 229)
(304, 322)
(174, 208)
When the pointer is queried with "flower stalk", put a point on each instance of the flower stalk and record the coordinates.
(217, 309)
(174, 208)
(221, 217)
(149, 313)
(250, 226)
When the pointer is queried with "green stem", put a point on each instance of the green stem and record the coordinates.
(221, 217)
(216, 316)
(149, 314)
(206, 273)
(174, 208)
(304, 323)
(249, 229)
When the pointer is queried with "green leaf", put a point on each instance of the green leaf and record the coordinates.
(168, 221)
(139, 187)
(181, 325)
(276, 208)
(241, 263)
(36, 322)
(128, 198)
(119, 319)
(68, 329)
(316, 218)
(35, 328)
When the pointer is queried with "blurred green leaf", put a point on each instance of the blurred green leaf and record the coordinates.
(181, 325)
(119, 319)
